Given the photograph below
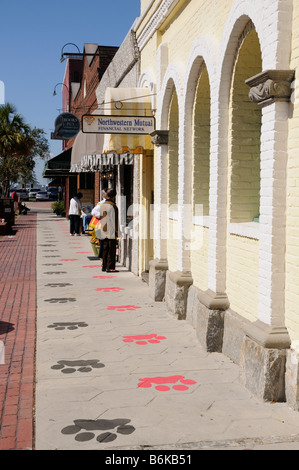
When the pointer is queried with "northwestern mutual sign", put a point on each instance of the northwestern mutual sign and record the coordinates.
(92, 123)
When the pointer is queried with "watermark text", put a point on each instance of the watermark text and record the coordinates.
(2, 353)
(2, 93)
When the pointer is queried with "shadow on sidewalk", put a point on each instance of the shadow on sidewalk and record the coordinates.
(6, 327)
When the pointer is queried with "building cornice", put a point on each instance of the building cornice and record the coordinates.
(156, 21)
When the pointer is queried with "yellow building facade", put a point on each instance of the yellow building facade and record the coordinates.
(224, 252)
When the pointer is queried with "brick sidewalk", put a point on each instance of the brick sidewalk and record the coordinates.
(17, 332)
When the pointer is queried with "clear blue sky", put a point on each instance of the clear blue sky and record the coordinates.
(32, 34)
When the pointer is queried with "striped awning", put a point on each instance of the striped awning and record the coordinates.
(127, 102)
(92, 151)
(93, 163)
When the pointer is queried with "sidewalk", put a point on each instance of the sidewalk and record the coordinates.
(115, 372)
(17, 334)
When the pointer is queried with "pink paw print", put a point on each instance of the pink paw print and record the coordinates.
(123, 308)
(93, 266)
(147, 382)
(72, 259)
(143, 339)
(110, 289)
(103, 277)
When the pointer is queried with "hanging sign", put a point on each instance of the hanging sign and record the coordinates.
(67, 126)
(96, 124)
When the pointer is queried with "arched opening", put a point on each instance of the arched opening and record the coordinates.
(173, 173)
(244, 179)
(245, 133)
(201, 144)
(173, 151)
(201, 179)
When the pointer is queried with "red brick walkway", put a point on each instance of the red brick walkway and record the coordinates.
(17, 332)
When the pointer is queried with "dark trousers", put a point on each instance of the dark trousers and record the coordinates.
(108, 253)
(74, 223)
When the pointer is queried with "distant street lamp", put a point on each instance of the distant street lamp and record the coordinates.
(55, 94)
(73, 55)
(62, 58)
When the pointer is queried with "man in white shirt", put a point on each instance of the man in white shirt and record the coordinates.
(75, 213)
(96, 211)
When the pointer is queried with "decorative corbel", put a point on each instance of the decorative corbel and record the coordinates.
(159, 138)
(270, 86)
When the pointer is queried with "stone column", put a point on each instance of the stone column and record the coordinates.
(159, 266)
(263, 354)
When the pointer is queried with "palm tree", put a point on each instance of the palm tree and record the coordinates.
(18, 145)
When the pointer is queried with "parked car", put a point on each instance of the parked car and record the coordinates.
(23, 193)
(33, 192)
(53, 193)
(42, 196)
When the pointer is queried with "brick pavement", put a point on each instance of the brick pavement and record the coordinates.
(17, 333)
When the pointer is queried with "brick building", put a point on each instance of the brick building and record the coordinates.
(83, 74)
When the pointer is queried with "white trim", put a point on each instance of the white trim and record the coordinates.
(201, 221)
(245, 229)
(173, 215)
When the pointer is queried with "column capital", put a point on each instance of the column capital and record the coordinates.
(270, 86)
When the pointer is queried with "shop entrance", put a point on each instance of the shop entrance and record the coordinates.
(146, 241)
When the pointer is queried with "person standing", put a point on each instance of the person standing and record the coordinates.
(75, 213)
(109, 231)
(16, 200)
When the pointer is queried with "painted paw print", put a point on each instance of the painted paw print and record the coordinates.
(61, 300)
(110, 289)
(103, 277)
(70, 259)
(68, 325)
(123, 308)
(69, 367)
(143, 339)
(160, 382)
(58, 284)
(52, 264)
(55, 272)
(88, 425)
(93, 266)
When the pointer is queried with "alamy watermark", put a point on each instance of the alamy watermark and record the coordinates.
(2, 353)
(2, 93)
(178, 222)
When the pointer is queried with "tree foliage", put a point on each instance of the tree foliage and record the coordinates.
(19, 145)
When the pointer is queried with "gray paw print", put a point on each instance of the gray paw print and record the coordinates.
(87, 425)
(58, 284)
(55, 272)
(68, 325)
(61, 300)
(69, 367)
